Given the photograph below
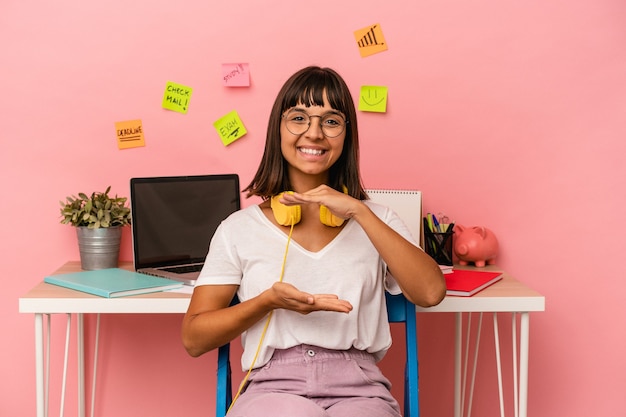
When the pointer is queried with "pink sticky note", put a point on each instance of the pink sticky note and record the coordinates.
(236, 75)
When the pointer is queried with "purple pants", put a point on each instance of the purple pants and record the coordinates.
(308, 381)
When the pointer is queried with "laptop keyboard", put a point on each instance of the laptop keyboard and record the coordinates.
(184, 269)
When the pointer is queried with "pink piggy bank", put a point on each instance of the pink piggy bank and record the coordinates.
(475, 244)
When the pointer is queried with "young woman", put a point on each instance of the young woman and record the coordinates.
(310, 265)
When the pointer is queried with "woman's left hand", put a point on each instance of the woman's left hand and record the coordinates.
(340, 204)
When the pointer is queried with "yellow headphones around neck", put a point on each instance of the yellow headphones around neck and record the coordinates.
(288, 215)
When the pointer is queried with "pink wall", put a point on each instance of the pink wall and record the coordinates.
(505, 114)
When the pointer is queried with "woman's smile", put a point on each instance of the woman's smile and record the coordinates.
(311, 151)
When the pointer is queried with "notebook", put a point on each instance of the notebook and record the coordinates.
(465, 282)
(112, 282)
(173, 221)
(406, 203)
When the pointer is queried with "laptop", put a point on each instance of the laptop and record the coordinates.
(173, 221)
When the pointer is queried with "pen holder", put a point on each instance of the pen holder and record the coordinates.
(439, 246)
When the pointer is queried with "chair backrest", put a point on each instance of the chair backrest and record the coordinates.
(399, 310)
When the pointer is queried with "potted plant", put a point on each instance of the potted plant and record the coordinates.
(98, 219)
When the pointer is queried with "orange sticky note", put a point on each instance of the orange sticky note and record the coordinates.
(370, 40)
(129, 134)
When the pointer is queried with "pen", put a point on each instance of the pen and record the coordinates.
(436, 224)
(429, 218)
(428, 235)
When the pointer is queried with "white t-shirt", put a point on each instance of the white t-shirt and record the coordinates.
(247, 249)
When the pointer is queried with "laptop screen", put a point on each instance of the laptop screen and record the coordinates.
(174, 218)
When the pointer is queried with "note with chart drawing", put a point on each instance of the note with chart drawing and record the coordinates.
(370, 40)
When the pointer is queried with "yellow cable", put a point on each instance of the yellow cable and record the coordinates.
(267, 323)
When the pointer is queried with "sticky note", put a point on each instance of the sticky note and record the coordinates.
(236, 75)
(230, 128)
(129, 134)
(373, 98)
(370, 40)
(176, 97)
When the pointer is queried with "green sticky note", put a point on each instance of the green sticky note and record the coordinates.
(176, 97)
(230, 128)
(373, 98)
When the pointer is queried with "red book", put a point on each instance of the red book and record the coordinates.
(466, 283)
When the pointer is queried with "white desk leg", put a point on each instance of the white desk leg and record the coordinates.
(47, 371)
(466, 362)
(95, 365)
(457, 364)
(39, 377)
(80, 330)
(475, 367)
(496, 337)
(523, 363)
(515, 365)
(68, 331)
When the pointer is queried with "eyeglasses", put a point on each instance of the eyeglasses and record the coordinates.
(298, 122)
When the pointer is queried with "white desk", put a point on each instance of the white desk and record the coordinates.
(507, 295)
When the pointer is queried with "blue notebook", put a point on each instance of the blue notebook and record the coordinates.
(112, 282)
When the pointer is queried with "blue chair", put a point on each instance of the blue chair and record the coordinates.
(399, 310)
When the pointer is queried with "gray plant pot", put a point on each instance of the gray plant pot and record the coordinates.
(99, 248)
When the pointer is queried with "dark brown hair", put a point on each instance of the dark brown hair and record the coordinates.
(307, 87)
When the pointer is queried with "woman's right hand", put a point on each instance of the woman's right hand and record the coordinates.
(286, 296)
(210, 322)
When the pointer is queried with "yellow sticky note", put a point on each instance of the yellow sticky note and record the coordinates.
(129, 134)
(370, 40)
(176, 97)
(230, 128)
(373, 98)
